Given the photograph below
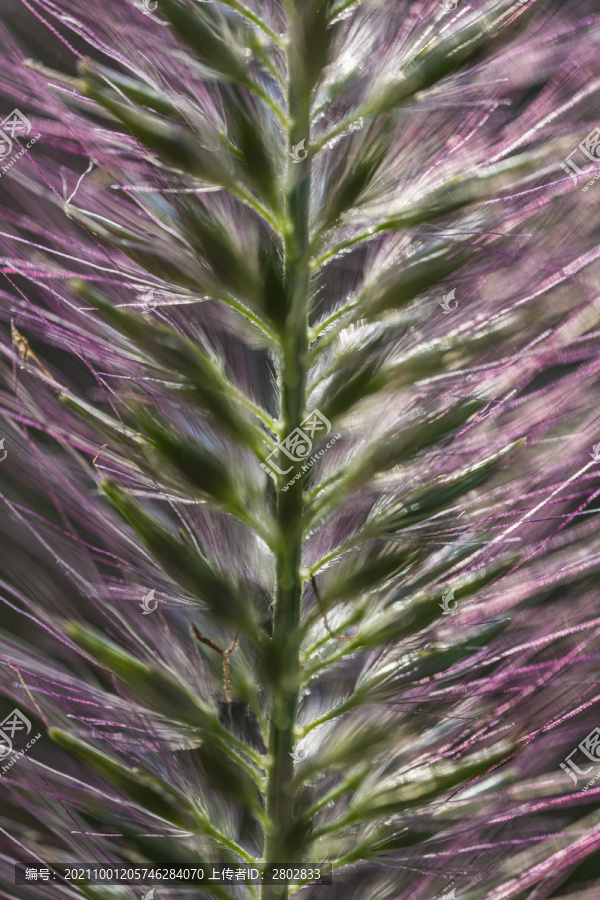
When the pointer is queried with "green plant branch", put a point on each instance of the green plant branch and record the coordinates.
(259, 208)
(350, 703)
(293, 362)
(258, 411)
(268, 100)
(231, 745)
(251, 521)
(349, 783)
(260, 323)
(320, 487)
(256, 20)
(329, 320)
(348, 648)
(340, 824)
(355, 541)
(365, 235)
(432, 64)
(268, 63)
(316, 615)
(222, 839)
(343, 7)
(325, 492)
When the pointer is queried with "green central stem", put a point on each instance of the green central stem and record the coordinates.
(283, 843)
